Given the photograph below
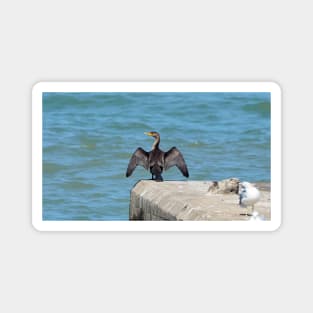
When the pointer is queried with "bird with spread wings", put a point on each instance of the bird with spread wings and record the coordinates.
(157, 160)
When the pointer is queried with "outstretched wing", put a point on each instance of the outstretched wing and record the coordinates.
(140, 157)
(173, 157)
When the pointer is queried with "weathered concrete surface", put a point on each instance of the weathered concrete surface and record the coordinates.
(191, 200)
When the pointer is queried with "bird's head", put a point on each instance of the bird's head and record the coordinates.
(153, 134)
(245, 184)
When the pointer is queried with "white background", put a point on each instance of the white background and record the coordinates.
(155, 40)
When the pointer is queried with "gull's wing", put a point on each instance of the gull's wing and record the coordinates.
(242, 193)
(173, 157)
(240, 198)
(139, 157)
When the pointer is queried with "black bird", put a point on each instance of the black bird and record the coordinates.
(157, 160)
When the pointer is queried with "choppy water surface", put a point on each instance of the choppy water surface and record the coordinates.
(88, 139)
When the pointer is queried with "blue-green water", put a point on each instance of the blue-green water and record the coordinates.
(88, 139)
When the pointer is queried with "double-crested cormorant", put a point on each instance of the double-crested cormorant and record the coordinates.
(157, 160)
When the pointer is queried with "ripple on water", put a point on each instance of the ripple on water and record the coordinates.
(78, 185)
(52, 168)
(262, 108)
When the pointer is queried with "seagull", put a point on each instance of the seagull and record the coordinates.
(248, 196)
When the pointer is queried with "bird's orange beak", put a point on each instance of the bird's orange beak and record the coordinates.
(148, 133)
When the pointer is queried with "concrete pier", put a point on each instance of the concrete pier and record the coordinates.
(190, 201)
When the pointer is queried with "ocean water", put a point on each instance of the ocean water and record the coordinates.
(88, 139)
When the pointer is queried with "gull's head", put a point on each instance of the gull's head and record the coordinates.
(245, 184)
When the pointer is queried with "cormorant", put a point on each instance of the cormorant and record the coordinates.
(157, 160)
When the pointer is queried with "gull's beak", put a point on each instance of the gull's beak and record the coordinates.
(148, 134)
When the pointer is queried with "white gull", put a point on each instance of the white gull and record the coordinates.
(248, 196)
